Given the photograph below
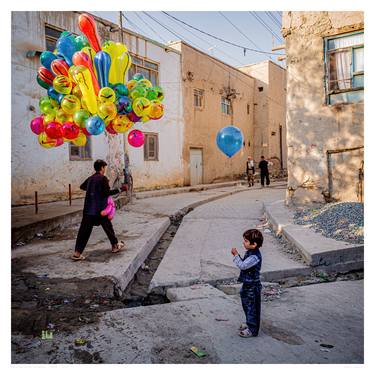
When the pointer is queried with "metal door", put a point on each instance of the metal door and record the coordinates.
(196, 167)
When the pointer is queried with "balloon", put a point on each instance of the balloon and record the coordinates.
(133, 117)
(80, 117)
(66, 47)
(151, 93)
(80, 58)
(160, 93)
(59, 142)
(80, 140)
(115, 50)
(85, 132)
(60, 67)
(77, 92)
(229, 140)
(46, 58)
(123, 105)
(45, 75)
(47, 105)
(54, 130)
(52, 93)
(107, 112)
(83, 77)
(87, 25)
(60, 98)
(145, 82)
(156, 110)
(110, 129)
(46, 141)
(137, 92)
(70, 104)
(91, 53)
(121, 65)
(47, 118)
(37, 125)
(130, 84)
(106, 95)
(102, 62)
(81, 42)
(120, 89)
(136, 138)
(62, 116)
(121, 124)
(95, 125)
(141, 106)
(42, 83)
(62, 84)
(138, 76)
(70, 130)
(145, 119)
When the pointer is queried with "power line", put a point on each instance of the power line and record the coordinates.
(265, 25)
(149, 26)
(274, 20)
(133, 24)
(222, 40)
(241, 32)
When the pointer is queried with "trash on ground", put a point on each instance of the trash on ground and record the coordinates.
(221, 319)
(80, 342)
(20, 243)
(198, 352)
(267, 231)
(39, 235)
(327, 346)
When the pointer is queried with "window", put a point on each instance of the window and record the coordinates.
(149, 69)
(260, 88)
(198, 98)
(81, 152)
(52, 34)
(344, 68)
(151, 147)
(225, 105)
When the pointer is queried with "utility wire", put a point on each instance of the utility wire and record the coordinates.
(222, 40)
(149, 26)
(265, 25)
(274, 20)
(133, 24)
(242, 32)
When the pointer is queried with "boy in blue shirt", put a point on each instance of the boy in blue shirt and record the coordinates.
(250, 293)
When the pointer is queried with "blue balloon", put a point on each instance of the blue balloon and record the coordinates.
(95, 125)
(60, 98)
(102, 62)
(120, 89)
(46, 58)
(229, 140)
(123, 105)
(52, 93)
(67, 47)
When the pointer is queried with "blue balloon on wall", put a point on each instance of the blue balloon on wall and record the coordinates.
(95, 125)
(229, 140)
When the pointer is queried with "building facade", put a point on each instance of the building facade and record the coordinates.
(269, 113)
(50, 171)
(325, 102)
(215, 95)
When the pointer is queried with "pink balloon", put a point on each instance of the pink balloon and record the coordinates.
(70, 130)
(59, 142)
(37, 125)
(136, 138)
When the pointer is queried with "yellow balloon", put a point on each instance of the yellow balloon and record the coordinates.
(120, 61)
(90, 52)
(122, 123)
(62, 116)
(83, 78)
(49, 118)
(80, 140)
(45, 141)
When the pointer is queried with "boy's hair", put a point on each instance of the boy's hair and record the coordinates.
(99, 164)
(262, 157)
(254, 236)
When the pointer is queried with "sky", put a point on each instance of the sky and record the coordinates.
(254, 30)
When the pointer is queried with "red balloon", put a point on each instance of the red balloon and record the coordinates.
(110, 129)
(54, 130)
(81, 58)
(45, 75)
(86, 24)
(70, 130)
(85, 132)
(37, 125)
(136, 138)
(60, 67)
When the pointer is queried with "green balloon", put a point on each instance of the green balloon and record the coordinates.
(80, 117)
(81, 42)
(42, 83)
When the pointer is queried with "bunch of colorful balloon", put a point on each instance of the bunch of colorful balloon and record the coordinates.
(87, 92)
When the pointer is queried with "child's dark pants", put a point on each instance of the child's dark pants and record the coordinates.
(250, 298)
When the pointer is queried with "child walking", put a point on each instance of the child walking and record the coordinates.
(250, 293)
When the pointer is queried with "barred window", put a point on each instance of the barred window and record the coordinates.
(225, 105)
(77, 153)
(148, 68)
(52, 33)
(198, 98)
(151, 147)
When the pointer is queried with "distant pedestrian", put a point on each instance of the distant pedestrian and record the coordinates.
(264, 173)
(250, 171)
(96, 201)
(250, 293)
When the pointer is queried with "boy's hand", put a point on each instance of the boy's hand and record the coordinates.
(234, 251)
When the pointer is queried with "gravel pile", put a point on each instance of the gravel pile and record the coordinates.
(340, 221)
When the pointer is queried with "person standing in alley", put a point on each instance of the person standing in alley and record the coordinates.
(250, 171)
(97, 193)
(264, 173)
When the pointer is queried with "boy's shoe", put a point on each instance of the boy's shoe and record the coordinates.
(242, 326)
(118, 247)
(246, 333)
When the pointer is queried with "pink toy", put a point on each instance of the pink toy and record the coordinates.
(110, 209)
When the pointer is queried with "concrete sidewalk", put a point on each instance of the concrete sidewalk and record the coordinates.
(317, 250)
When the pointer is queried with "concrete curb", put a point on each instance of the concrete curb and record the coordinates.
(316, 249)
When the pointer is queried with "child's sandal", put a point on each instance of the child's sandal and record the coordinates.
(246, 333)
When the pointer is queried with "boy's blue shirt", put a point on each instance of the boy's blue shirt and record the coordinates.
(250, 266)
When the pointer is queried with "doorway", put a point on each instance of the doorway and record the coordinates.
(196, 166)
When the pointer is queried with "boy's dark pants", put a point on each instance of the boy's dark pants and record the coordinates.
(88, 222)
(266, 176)
(250, 298)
